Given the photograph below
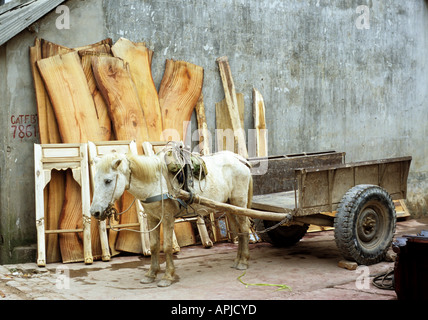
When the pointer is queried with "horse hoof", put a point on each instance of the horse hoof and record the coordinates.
(146, 280)
(164, 283)
(240, 266)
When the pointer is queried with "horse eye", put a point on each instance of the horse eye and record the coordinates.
(107, 181)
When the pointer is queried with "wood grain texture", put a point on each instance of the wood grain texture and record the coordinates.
(71, 98)
(179, 91)
(75, 112)
(204, 134)
(226, 138)
(103, 118)
(49, 133)
(116, 86)
(232, 105)
(260, 124)
(139, 59)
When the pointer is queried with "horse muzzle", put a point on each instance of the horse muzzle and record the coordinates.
(98, 213)
(101, 215)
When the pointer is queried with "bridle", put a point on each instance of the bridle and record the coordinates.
(111, 211)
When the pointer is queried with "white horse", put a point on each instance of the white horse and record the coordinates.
(228, 180)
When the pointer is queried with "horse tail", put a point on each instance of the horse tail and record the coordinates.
(250, 193)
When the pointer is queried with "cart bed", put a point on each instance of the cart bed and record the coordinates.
(276, 202)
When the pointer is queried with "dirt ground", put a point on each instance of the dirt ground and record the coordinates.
(309, 268)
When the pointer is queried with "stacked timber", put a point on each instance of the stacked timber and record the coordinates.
(103, 92)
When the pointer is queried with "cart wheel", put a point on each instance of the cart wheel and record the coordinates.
(365, 224)
(282, 236)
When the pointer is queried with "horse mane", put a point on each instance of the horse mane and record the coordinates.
(143, 168)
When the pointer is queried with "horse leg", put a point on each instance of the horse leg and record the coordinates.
(241, 261)
(150, 276)
(168, 228)
(243, 242)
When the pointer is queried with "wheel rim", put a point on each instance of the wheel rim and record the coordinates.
(371, 225)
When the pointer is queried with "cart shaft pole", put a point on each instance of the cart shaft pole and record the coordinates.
(264, 215)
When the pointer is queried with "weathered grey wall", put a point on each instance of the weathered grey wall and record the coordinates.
(326, 83)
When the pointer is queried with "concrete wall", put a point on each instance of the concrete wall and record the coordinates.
(327, 84)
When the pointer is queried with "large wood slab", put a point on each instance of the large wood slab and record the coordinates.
(116, 86)
(179, 91)
(139, 59)
(75, 112)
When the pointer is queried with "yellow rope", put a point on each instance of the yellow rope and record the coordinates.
(280, 286)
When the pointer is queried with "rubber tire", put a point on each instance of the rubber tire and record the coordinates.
(356, 241)
(282, 236)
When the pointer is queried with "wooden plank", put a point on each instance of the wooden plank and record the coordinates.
(56, 191)
(42, 97)
(24, 15)
(401, 209)
(184, 233)
(50, 49)
(204, 134)
(276, 202)
(116, 86)
(232, 105)
(103, 118)
(139, 59)
(71, 98)
(260, 124)
(95, 45)
(224, 136)
(49, 133)
(179, 91)
(101, 132)
(75, 112)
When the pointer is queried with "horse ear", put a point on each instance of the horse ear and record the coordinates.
(116, 163)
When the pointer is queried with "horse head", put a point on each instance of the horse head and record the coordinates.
(110, 181)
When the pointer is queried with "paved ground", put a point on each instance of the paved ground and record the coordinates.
(310, 268)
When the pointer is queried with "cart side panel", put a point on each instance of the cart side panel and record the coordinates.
(321, 189)
(279, 176)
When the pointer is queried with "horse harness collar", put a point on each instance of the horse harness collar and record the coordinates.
(165, 196)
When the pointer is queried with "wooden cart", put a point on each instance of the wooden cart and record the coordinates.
(321, 189)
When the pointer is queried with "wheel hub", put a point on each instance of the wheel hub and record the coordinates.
(368, 225)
